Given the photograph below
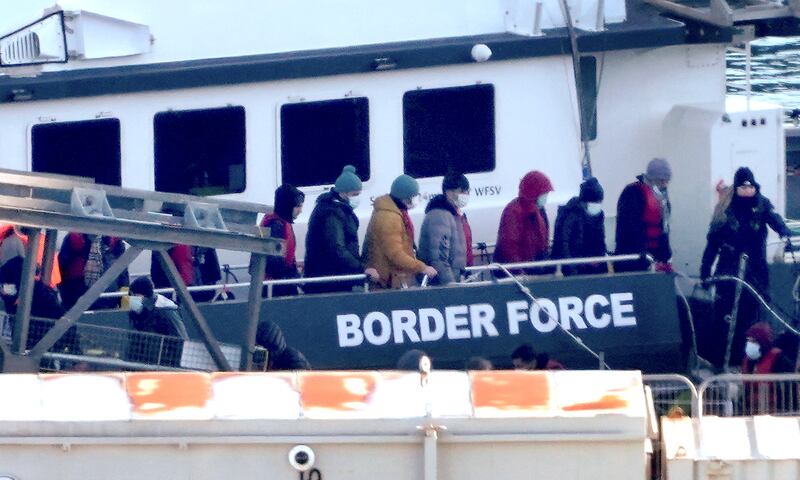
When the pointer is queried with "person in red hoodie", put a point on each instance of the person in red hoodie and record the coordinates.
(523, 235)
(762, 357)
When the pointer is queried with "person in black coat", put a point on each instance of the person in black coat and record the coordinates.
(742, 229)
(579, 229)
(332, 238)
(153, 313)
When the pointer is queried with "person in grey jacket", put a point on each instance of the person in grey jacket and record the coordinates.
(442, 242)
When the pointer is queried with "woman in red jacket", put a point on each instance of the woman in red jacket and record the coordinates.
(523, 235)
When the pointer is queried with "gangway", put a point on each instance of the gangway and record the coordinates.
(144, 219)
(724, 13)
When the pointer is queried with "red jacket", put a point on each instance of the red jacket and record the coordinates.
(523, 234)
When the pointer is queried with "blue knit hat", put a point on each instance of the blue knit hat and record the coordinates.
(348, 181)
(658, 169)
(404, 187)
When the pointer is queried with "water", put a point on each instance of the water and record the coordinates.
(775, 71)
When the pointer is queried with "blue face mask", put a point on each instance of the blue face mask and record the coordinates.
(541, 201)
(136, 303)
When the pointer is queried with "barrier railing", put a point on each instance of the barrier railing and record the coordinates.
(730, 395)
(671, 392)
(477, 271)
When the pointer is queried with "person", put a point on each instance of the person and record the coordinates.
(410, 360)
(82, 260)
(332, 238)
(45, 304)
(280, 355)
(288, 206)
(741, 228)
(579, 230)
(389, 244)
(643, 219)
(13, 243)
(478, 363)
(153, 313)
(196, 266)
(523, 234)
(443, 236)
(762, 357)
(525, 358)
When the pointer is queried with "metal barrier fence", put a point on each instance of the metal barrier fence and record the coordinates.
(671, 392)
(732, 395)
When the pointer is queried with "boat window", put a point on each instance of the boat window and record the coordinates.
(86, 148)
(319, 138)
(448, 129)
(200, 152)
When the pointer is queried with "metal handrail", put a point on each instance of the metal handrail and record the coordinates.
(740, 377)
(561, 261)
(267, 283)
(677, 378)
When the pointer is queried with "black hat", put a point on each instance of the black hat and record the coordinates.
(142, 286)
(744, 176)
(455, 181)
(591, 191)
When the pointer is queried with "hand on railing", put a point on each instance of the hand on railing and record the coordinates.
(428, 273)
(372, 274)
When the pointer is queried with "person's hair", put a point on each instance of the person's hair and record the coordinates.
(524, 352)
(454, 181)
(478, 363)
(409, 361)
(142, 286)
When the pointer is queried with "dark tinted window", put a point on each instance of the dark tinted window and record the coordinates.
(319, 138)
(88, 148)
(200, 152)
(448, 129)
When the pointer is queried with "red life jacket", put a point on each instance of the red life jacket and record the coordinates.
(652, 217)
(288, 235)
(468, 239)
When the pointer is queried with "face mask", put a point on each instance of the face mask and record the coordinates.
(594, 208)
(541, 201)
(752, 350)
(9, 289)
(136, 303)
(413, 202)
(462, 200)
(354, 202)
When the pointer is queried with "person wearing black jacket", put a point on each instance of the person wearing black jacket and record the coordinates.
(742, 229)
(332, 238)
(579, 229)
(154, 313)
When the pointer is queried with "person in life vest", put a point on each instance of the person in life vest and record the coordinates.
(643, 218)
(13, 243)
(389, 244)
(762, 357)
(278, 224)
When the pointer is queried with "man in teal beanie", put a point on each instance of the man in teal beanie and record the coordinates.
(389, 246)
(332, 239)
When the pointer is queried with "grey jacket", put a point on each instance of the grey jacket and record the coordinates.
(442, 244)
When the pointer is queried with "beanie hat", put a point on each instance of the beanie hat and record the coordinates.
(658, 169)
(404, 187)
(348, 181)
(762, 334)
(455, 181)
(591, 191)
(744, 176)
(142, 286)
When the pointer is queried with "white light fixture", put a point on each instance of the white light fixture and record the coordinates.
(42, 41)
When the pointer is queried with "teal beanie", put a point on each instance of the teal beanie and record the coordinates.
(404, 187)
(348, 181)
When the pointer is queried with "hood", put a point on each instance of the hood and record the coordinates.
(440, 202)
(534, 184)
(164, 302)
(286, 198)
(762, 334)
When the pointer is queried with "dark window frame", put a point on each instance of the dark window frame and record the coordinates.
(431, 136)
(174, 136)
(350, 142)
(82, 164)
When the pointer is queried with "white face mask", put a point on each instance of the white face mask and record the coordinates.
(136, 303)
(9, 289)
(542, 200)
(413, 202)
(752, 350)
(594, 208)
(462, 200)
(354, 201)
